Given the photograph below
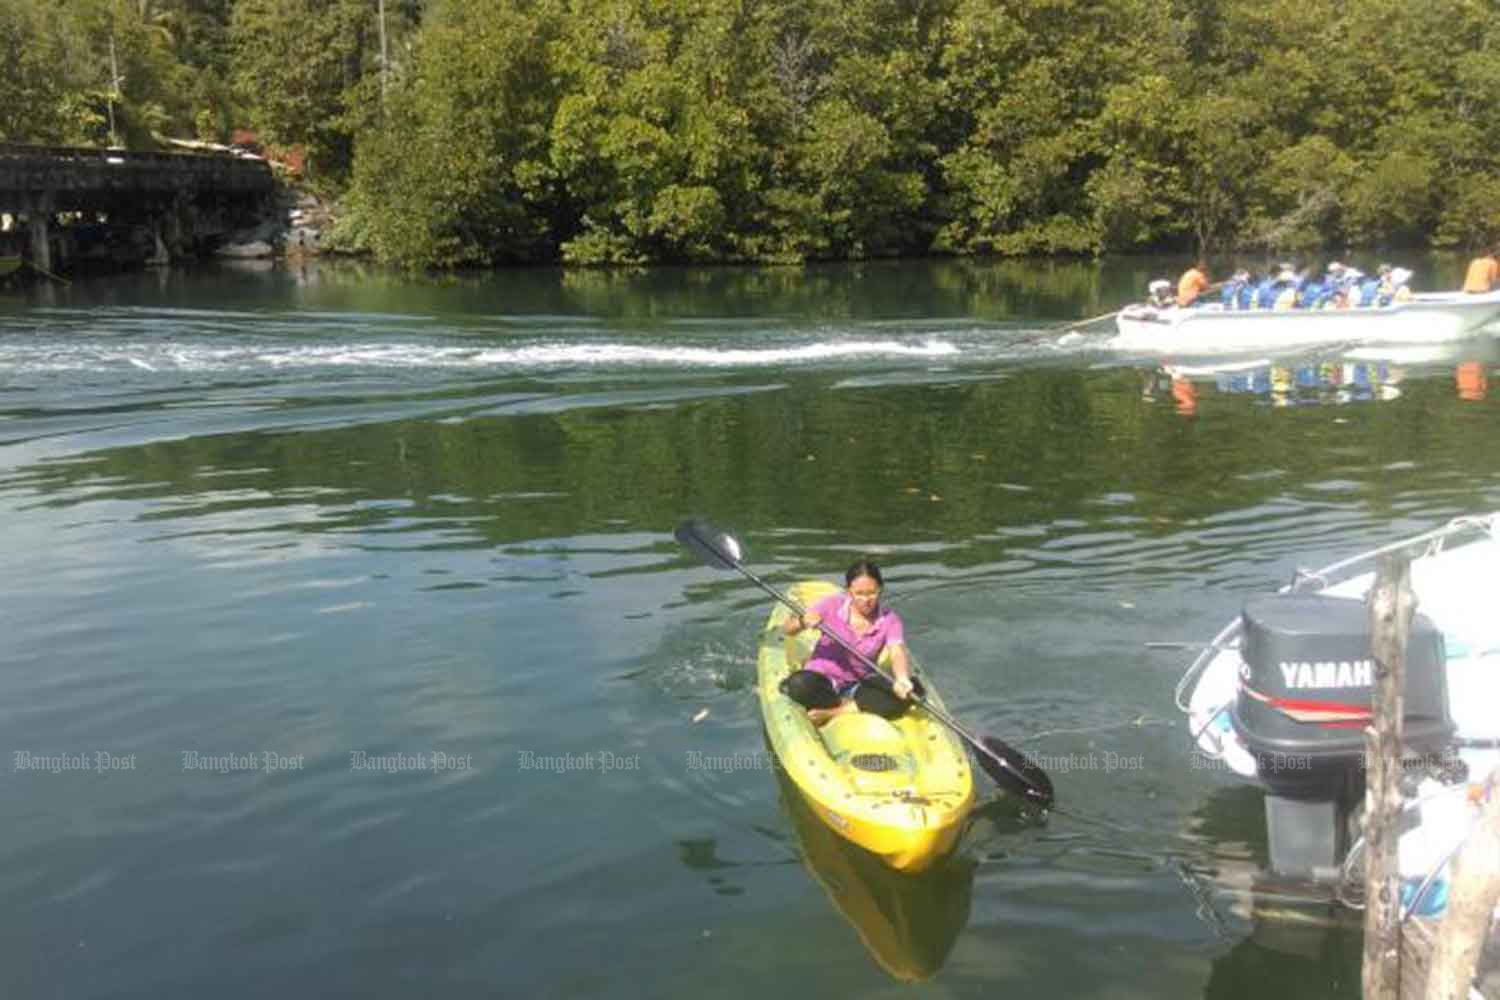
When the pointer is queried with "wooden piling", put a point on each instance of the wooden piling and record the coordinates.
(1392, 606)
(1435, 960)
(1473, 890)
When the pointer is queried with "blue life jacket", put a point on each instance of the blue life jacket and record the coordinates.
(1365, 294)
(1238, 295)
(1386, 294)
(1312, 295)
(1265, 294)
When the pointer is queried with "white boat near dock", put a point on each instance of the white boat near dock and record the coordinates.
(1281, 695)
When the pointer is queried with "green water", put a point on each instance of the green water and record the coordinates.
(317, 513)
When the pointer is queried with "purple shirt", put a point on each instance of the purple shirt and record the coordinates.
(834, 661)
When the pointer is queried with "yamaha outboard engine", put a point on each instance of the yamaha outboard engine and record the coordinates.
(1306, 684)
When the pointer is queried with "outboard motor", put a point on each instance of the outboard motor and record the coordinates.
(1306, 685)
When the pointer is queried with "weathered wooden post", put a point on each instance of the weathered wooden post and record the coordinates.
(1474, 888)
(1392, 605)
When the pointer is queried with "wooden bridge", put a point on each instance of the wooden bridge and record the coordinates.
(183, 198)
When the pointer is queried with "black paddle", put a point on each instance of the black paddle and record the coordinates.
(1009, 768)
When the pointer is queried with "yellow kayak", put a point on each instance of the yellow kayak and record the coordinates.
(908, 922)
(900, 789)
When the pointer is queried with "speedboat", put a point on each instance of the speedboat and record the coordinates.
(1281, 698)
(1434, 317)
(901, 789)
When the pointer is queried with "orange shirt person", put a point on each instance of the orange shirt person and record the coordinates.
(1484, 273)
(1193, 283)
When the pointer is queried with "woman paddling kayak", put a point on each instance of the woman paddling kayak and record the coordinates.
(834, 682)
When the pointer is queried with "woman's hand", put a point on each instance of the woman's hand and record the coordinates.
(902, 687)
(796, 623)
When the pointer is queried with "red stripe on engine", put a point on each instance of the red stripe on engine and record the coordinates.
(1312, 711)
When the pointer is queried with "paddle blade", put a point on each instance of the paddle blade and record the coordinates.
(1015, 772)
(713, 547)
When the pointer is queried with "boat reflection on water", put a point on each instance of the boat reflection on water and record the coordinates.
(1301, 941)
(1322, 383)
(1363, 375)
(908, 923)
(1315, 383)
(1472, 381)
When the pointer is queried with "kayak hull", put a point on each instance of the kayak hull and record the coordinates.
(900, 789)
(907, 922)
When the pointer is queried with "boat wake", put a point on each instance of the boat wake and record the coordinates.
(102, 355)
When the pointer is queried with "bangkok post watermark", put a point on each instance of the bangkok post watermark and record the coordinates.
(431, 761)
(262, 761)
(594, 761)
(1447, 759)
(759, 760)
(1270, 763)
(96, 761)
(1107, 761)
(1274, 763)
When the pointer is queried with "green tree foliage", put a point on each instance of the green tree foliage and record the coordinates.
(458, 171)
(297, 63)
(68, 67)
(772, 130)
(37, 89)
(1053, 92)
(642, 131)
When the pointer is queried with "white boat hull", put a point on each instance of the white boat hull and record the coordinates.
(1456, 588)
(1211, 329)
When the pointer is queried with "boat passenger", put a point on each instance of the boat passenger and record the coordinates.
(1342, 276)
(1484, 273)
(1284, 289)
(1246, 298)
(1366, 293)
(1312, 294)
(834, 681)
(1237, 291)
(1193, 283)
(1395, 288)
(1159, 294)
(1335, 276)
(1265, 293)
(1341, 281)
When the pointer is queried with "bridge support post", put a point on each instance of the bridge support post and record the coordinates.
(172, 228)
(179, 228)
(39, 222)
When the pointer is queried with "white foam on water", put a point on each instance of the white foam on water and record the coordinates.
(36, 356)
(713, 357)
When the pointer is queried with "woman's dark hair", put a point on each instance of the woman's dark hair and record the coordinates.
(863, 568)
